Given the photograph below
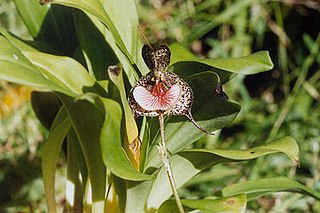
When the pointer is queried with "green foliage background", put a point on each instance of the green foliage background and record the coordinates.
(282, 102)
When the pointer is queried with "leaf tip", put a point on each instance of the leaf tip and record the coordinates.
(114, 70)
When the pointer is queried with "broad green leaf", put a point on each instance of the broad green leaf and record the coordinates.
(116, 76)
(123, 59)
(95, 8)
(33, 15)
(81, 163)
(27, 45)
(47, 23)
(16, 68)
(112, 152)
(256, 188)
(210, 112)
(187, 164)
(97, 52)
(235, 204)
(286, 145)
(76, 174)
(46, 106)
(50, 155)
(87, 120)
(185, 64)
(183, 168)
(17, 42)
(120, 189)
(127, 26)
(145, 141)
(64, 71)
(128, 65)
(137, 194)
(131, 129)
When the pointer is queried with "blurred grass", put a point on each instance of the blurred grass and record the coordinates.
(284, 101)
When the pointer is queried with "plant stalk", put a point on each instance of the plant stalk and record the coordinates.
(165, 159)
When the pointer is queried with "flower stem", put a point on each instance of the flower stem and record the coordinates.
(165, 159)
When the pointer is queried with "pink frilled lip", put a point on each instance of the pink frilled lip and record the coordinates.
(158, 98)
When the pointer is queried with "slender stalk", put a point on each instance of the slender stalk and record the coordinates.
(165, 159)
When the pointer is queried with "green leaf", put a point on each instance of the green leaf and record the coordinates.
(126, 42)
(64, 71)
(145, 141)
(128, 65)
(16, 68)
(75, 180)
(46, 106)
(235, 204)
(50, 155)
(112, 152)
(87, 120)
(33, 14)
(132, 63)
(47, 23)
(115, 74)
(185, 64)
(182, 170)
(286, 145)
(16, 41)
(256, 188)
(137, 194)
(187, 164)
(210, 112)
(27, 45)
(127, 26)
(93, 7)
(98, 54)
(131, 141)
